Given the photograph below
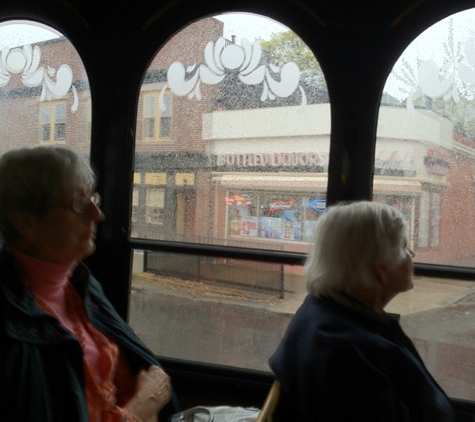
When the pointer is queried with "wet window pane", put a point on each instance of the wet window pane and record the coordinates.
(46, 132)
(234, 106)
(241, 158)
(425, 166)
(233, 314)
(165, 127)
(425, 153)
(44, 92)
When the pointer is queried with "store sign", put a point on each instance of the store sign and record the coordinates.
(393, 159)
(318, 205)
(280, 205)
(276, 159)
(238, 200)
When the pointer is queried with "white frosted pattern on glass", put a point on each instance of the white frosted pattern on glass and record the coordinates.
(439, 64)
(246, 57)
(44, 90)
(26, 61)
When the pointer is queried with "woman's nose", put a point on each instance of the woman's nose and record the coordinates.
(97, 213)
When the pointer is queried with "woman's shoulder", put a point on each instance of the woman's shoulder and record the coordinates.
(323, 321)
(321, 310)
(339, 337)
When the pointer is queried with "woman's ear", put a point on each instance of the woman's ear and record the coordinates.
(381, 272)
(24, 224)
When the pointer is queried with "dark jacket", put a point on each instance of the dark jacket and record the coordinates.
(337, 364)
(41, 363)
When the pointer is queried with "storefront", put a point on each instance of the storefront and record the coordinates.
(286, 206)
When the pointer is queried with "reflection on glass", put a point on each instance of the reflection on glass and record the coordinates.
(43, 89)
(225, 114)
(425, 166)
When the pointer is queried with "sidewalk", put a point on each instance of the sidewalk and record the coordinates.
(431, 293)
(427, 294)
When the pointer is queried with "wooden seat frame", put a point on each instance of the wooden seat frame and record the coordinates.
(267, 411)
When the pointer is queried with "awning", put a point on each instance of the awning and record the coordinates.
(271, 181)
(310, 182)
(396, 186)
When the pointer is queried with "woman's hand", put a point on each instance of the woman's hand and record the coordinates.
(153, 391)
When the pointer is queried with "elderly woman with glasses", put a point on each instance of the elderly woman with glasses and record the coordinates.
(343, 358)
(65, 354)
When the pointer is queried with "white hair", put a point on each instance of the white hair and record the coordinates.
(350, 239)
(33, 179)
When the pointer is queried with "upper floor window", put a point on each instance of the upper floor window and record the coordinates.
(53, 122)
(157, 113)
(165, 116)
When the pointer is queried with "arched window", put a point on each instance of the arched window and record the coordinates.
(232, 146)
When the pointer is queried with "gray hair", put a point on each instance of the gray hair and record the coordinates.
(34, 179)
(350, 239)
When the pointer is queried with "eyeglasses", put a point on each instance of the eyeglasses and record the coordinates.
(82, 203)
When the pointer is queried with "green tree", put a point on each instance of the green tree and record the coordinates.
(286, 47)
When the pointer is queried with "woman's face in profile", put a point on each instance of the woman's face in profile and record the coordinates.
(64, 236)
(401, 276)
